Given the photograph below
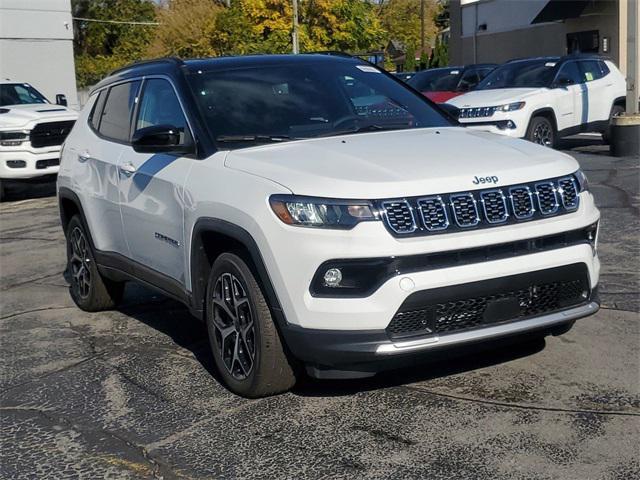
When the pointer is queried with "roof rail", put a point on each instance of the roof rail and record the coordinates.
(174, 60)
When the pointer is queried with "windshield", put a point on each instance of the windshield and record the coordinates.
(439, 80)
(19, 94)
(288, 102)
(526, 74)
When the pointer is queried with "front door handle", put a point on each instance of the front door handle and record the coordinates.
(127, 169)
(84, 156)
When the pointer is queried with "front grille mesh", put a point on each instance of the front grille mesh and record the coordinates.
(568, 190)
(482, 208)
(465, 210)
(521, 202)
(494, 205)
(547, 198)
(50, 134)
(467, 313)
(433, 213)
(399, 216)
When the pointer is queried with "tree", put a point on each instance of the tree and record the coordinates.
(401, 20)
(186, 29)
(100, 46)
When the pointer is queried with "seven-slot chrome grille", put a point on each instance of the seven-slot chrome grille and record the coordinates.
(480, 208)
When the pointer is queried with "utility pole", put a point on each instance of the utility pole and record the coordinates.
(633, 52)
(296, 48)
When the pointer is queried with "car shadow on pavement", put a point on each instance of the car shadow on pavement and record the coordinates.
(174, 320)
(438, 367)
(42, 187)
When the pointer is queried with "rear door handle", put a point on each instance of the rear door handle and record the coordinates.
(127, 169)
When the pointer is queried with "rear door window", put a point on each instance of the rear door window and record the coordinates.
(116, 116)
(591, 70)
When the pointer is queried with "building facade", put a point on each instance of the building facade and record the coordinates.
(500, 30)
(36, 46)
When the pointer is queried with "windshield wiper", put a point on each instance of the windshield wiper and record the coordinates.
(367, 128)
(252, 138)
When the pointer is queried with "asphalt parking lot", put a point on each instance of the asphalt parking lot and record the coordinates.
(132, 394)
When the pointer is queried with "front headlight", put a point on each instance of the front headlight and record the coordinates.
(510, 107)
(13, 138)
(583, 182)
(322, 212)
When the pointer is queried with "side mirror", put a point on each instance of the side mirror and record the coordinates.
(61, 99)
(161, 139)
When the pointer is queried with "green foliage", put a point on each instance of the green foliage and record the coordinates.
(202, 28)
(101, 47)
(439, 56)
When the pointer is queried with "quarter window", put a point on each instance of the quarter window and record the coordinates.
(96, 113)
(160, 106)
(116, 116)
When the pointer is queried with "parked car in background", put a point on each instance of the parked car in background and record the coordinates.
(404, 76)
(31, 132)
(288, 201)
(442, 84)
(544, 99)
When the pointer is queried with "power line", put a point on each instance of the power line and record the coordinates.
(119, 22)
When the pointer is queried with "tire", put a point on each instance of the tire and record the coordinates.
(615, 111)
(542, 132)
(1, 190)
(89, 290)
(239, 323)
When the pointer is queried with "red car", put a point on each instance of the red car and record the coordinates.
(442, 84)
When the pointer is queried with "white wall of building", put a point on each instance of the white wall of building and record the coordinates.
(36, 46)
(499, 15)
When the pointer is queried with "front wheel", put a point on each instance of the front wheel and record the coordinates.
(542, 132)
(246, 345)
(89, 289)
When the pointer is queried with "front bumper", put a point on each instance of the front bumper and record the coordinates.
(37, 162)
(340, 354)
(497, 123)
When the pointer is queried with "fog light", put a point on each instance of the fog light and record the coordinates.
(16, 163)
(333, 277)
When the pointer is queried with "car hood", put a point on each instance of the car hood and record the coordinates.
(400, 163)
(22, 116)
(492, 98)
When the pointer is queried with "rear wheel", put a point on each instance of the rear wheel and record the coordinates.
(616, 111)
(246, 346)
(542, 132)
(89, 290)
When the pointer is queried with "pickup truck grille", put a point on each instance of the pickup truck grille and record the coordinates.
(50, 134)
(480, 208)
(468, 306)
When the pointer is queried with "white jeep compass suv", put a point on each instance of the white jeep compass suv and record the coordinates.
(544, 99)
(317, 214)
(31, 131)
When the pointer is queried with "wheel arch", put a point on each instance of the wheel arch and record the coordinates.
(69, 205)
(546, 112)
(622, 101)
(212, 237)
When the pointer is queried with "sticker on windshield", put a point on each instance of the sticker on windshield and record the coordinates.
(588, 76)
(367, 68)
(454, 72)
(550, 64)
